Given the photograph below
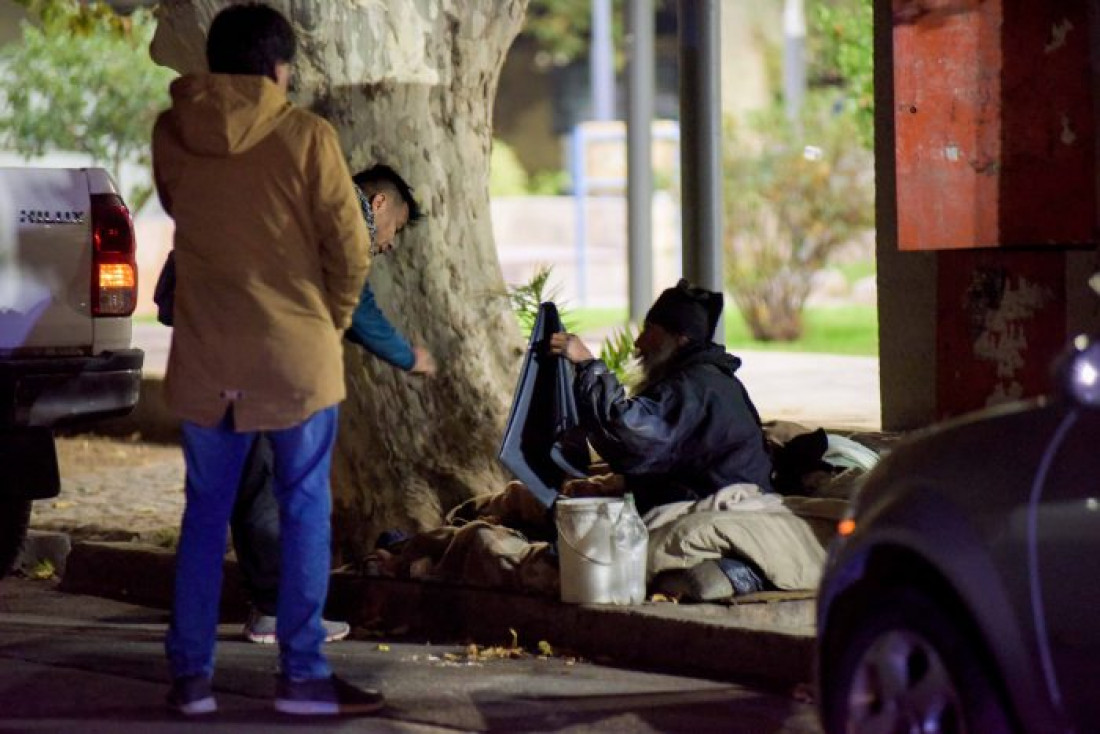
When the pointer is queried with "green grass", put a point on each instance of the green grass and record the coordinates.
(586, 320)
(856, 271)
(848, 329)
(827, 329)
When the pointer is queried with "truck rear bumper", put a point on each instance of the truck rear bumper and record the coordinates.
(56, 391)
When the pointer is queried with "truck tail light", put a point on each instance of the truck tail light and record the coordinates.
(114, 269)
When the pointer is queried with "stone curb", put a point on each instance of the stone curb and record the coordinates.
(767, 643)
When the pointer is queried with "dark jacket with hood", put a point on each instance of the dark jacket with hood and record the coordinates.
(691, 432)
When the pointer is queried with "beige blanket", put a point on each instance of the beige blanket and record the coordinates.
(786, 537)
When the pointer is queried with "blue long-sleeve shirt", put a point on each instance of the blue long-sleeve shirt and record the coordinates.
(373, 331)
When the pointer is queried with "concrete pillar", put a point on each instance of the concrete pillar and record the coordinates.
(906, 280)
(973, 316)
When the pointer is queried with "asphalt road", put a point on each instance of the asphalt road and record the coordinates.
(86, 665)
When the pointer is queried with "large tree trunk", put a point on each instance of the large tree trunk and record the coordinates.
(410, 83)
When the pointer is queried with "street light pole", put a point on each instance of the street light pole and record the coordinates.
(700, 143)
(794, 60)
(639, 153)
(602, 64)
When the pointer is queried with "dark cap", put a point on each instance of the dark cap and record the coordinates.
(688, 311)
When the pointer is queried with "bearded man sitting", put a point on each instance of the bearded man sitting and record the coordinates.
(690, 427)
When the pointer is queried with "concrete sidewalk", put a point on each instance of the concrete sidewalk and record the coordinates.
(764, 641)
(73, 664)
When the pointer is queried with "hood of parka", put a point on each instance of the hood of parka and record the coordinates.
(223, 114)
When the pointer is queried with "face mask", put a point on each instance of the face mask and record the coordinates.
(368, 214)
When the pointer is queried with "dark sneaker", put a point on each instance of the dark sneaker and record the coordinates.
(191, 696)
(325, 697)
(260, 628)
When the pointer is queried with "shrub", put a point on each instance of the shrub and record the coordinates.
(792, 198)
(507, 176)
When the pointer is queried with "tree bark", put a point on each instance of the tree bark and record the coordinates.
(410, 83)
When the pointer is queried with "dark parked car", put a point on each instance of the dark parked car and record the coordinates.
(963, 593)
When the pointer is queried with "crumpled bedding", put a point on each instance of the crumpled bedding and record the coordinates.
(480, 554)
(786, 537)
(504, 539)
(483, 545)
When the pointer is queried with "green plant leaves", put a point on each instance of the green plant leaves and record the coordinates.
(81, 80)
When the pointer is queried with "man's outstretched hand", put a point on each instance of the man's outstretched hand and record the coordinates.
(424, 364)
(569, 346)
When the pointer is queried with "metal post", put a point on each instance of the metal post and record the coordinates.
(639, 152)
(602, 62)
(580, 212)
(700, 143)
(794, 60)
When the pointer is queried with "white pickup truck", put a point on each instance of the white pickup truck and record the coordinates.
(68, 285)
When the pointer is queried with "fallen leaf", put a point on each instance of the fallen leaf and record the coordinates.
(43, 570)
(500, 653)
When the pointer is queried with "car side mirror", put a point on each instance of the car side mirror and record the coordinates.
(1078, 371)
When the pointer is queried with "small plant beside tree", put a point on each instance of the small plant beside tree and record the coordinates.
(525, 298)
(82, 81)
(617, 352)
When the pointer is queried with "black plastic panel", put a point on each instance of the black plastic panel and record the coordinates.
(541, 445)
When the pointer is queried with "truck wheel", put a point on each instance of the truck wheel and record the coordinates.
(15, 515)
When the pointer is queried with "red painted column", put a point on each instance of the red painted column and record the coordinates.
(996, 171)
(995, 127)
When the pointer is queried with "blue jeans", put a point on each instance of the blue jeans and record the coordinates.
(214, 458)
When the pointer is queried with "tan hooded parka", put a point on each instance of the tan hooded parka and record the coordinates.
(271, 252)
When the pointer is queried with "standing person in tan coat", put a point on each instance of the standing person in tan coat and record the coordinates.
(271, 253)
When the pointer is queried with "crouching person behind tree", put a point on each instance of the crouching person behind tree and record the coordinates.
(388, 206)
(690, 428)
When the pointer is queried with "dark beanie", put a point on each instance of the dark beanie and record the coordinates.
(688, 311)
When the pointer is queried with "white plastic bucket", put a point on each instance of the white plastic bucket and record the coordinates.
(585, 549)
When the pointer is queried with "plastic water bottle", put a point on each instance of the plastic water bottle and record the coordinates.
(630, 541)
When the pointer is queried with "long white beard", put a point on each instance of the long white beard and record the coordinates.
(654, 364)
